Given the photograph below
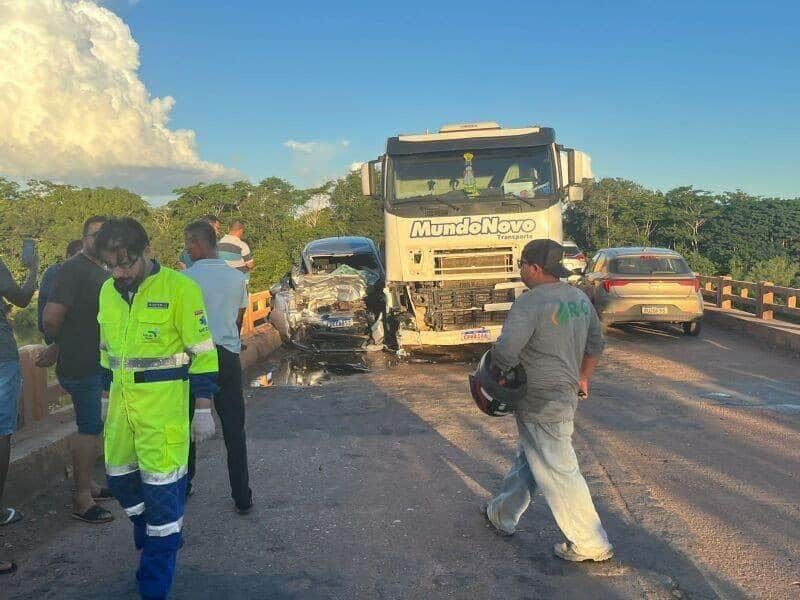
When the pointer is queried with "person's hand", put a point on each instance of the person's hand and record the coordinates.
(47, 357)
(203, 427)
(583, 389)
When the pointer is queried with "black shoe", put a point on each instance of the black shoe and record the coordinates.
(245, 510)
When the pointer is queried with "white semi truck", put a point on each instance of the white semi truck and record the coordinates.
(459, 206)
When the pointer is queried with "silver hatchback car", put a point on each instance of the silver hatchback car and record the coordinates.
(634, 285)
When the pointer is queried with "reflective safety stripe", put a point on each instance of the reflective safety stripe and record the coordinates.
(103, 347)
(161, 362)
(166, 529)
(164, 478)
(118, 471)
(196, 349)
(156, 375)
(135, 510)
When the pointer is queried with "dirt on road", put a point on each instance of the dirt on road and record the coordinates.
(368, 486)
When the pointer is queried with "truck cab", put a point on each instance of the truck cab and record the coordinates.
(459, 205)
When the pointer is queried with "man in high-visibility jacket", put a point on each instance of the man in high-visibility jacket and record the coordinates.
(155, 344)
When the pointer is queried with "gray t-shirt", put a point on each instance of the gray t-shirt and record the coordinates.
(548, 331)
(8, 346)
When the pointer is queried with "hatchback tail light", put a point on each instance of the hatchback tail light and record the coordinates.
(580, 256)
(694, 282)
(609, 283)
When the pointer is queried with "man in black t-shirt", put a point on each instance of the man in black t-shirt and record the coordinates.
(70, 318)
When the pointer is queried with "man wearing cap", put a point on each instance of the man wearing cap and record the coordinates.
(553, 331)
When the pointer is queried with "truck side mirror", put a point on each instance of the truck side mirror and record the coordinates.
(370, 179)
(574, 193)
(579, 167)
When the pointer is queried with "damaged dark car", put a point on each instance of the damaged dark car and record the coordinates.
(332, 299)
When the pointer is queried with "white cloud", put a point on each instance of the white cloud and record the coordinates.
(356, 166)
(74, 109)
(304, 147)
(315, 162)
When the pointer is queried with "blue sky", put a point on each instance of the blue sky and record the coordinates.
(665, 93)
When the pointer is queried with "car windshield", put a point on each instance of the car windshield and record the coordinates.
(452, 177)
(644, 264)
(328, 264)
(571, 251)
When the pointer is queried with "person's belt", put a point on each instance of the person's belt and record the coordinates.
(156, 375)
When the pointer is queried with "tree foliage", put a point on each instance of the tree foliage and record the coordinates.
(732, 233)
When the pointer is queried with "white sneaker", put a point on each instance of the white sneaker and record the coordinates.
(566, 551)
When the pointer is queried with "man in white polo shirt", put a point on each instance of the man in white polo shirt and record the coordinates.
(234, 251)
(225, 295)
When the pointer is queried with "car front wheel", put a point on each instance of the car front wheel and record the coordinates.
(692, 328)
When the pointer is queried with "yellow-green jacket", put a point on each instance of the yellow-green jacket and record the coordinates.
(157, 347)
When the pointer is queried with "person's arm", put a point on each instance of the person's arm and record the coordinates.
(41, 300)
(19, 295)
(192, 324)
(245, 300)
(62, 297)
(247, 257)
(518, 328)
(594, 348)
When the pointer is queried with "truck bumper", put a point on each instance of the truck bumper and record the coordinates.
(407, 338)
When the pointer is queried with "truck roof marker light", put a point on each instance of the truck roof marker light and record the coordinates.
(469, 126)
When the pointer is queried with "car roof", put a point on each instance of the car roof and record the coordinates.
(340, 245)
(569, 243)
(626, 251)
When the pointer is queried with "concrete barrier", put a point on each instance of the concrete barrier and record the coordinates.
(773, 334)
(40, 451)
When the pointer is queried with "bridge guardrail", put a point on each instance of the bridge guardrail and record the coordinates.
(257, 312)
(37, 393)
(764, 298)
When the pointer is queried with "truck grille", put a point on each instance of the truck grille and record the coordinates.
(461, 308)
(473, 261)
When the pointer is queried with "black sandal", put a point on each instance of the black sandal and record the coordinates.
(96, 515)
(9, 571)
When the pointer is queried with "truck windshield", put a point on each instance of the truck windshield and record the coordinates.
(452, 177)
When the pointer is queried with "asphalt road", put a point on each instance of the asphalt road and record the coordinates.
(368, 486)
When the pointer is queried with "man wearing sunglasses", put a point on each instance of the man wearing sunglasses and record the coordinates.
(156, 343)
(553, 331)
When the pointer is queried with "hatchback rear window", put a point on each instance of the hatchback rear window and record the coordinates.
(571, 251)
(649, 265)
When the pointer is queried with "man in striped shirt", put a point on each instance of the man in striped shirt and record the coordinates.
(234, 251)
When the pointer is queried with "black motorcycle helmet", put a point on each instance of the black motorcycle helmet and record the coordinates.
(496, 393)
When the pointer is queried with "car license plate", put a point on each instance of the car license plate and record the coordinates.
(475, 335)
(340, 323)
(654, 310)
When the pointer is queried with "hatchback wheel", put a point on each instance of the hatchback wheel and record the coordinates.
(692, 328)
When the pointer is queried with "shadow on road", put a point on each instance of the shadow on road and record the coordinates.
(369, 487)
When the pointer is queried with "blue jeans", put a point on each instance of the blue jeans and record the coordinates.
(86, 396)
(10, 385)
(546, 460)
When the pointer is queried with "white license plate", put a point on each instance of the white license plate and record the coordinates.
(340, 323)
(654, 310)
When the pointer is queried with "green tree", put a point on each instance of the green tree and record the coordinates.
(686, 212)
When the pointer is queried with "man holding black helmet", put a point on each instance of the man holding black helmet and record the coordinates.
(554, 333)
